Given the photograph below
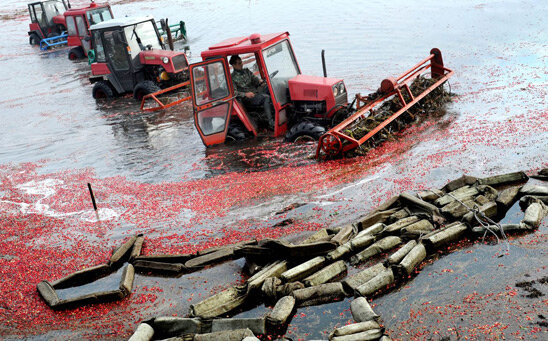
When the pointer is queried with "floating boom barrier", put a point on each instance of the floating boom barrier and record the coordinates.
(411, 227)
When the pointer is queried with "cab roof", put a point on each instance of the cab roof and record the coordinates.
(82, 10)
(238, 45)
(42, 1)
(120, 22)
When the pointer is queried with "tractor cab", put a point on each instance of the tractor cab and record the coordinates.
(129, 55)
(78, 21)
(303, 105)
(47, 19)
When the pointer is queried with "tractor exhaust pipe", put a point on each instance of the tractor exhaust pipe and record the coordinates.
(169, 36)
(165, 26)
(323, 64)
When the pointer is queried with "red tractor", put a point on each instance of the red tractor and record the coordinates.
(47, 19)
(78, 21)
(129, 55)
(305, 107)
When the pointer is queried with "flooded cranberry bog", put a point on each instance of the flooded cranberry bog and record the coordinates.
(151, 174)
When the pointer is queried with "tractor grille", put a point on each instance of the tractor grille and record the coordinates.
(179, 62)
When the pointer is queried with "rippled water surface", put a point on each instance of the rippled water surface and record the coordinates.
(151, 173)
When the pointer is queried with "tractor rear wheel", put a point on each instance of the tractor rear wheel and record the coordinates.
(102, 90)
(304, 131)
(76, 53)
(34, 39)
(144, 88)
(236, 132)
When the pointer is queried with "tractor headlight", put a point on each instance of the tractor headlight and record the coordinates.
(341, 88)
(335, 90)
(165, 60)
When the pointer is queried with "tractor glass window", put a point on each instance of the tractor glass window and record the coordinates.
(40, 15)
(249, 61)
(71, 27)
(53, 8)
(32, 16)
(98, 46)
(213, 120)
(60, 7)
(81, 24)
(115, 50)
(141, 37)
(210, 83)
(98, 15)
(281, 66)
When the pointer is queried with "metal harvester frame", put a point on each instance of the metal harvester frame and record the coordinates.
(335, 141)
(53, 41)
(161, 105)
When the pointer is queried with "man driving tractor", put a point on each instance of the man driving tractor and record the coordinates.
(252, 91)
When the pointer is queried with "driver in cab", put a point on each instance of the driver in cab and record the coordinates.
(251, 91)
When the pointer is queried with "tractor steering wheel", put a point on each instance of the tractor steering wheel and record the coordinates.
(273, 74)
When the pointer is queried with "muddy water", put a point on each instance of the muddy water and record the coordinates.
(151, 173)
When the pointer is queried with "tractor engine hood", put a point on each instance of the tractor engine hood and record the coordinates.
(171, 61)
(311, 88)
(59, 19)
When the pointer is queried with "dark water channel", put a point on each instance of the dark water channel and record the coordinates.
(497, 124)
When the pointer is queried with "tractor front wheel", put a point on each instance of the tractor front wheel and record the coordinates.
(144, 88)
(340, 115)
(76, 53)
(102, 90)
(34, 39)
(304, 132)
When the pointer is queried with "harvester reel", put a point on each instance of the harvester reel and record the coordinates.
(330, 145)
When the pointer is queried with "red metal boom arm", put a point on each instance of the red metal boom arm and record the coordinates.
(335, 141)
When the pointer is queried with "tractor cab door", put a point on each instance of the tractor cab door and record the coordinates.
(83, 32)
(212, 99)
(118, 60)
(38, 16)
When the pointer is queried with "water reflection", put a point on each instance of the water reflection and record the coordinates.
(149, 144)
